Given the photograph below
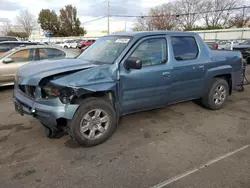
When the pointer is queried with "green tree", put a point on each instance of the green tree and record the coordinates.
(70, 24)
(49, 22)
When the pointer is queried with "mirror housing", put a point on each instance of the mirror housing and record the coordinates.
(8, 60)
(132, 64)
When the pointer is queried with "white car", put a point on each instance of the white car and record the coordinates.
(67, 44)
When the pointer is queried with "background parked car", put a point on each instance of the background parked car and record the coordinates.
(79, 42)
(68, 44)
(86, 43)
(84, 48)
(8, 45)
(212, 45)
(13, 59)
(244, 48)
(224, 45)
(7, 38)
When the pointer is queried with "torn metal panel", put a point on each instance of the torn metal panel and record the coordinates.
(95, 79)
(32, 73)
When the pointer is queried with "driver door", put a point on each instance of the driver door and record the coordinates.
(149, 86)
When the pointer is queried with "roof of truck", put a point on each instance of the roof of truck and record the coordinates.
(150, 33)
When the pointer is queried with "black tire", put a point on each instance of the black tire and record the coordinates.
(86, 106)
(52, 133)
(66, 47)
(241, 89)
(208, 99)
(48, 132)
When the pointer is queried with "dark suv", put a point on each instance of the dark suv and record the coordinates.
(6, 38)
(8, 45)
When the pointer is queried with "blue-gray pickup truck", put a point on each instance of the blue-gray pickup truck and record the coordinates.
(122, 74)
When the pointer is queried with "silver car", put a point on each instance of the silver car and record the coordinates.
(15, 58)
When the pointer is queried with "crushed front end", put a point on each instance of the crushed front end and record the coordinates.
(50, 104)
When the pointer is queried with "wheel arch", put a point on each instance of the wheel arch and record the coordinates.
(224, 72)
(108, 95)
(228, 78)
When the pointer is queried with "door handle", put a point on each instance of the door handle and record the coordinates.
(166, 74)
(201, 67)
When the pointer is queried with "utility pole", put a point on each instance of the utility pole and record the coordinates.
(108, 15)
(243, 16)
(242, 22)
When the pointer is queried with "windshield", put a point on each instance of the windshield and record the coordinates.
(105, 50)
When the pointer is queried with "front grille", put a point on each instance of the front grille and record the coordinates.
(22, 88)
(28, 90)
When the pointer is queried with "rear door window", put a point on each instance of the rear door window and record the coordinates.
(50, 53)
(184, 47)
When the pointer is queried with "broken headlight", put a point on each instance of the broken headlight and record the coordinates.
(51, 91)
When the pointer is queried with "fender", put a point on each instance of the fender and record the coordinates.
(216, 71)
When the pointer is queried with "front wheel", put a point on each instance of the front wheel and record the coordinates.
(217, 94)
(93, 123)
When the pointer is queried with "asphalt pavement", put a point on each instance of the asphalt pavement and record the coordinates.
(183, 145)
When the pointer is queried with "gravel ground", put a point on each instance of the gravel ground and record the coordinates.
(147, 148)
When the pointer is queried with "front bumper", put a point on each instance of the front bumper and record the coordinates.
(47, 111)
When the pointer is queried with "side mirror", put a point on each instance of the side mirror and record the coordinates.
(8, 60)
(133, 64)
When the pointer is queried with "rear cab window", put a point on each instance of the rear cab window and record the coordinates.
(184, 48)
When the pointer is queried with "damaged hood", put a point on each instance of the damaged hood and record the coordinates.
(99, 78)
(32, 73)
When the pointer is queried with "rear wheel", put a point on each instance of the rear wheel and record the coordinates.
(66, 47)
(217, 94)
(93, 123)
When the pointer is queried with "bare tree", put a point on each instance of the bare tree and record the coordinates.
(240, 19)
(6, 28)
(188, 9)
(163, 17)
(27, 21)
(218, 12)
(143, 24)
(159, 18)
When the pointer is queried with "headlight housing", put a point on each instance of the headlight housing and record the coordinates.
(51, 91)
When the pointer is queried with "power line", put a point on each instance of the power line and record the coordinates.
(175, 15)
(184, 14)
(94, 20)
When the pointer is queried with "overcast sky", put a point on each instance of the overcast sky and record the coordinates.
(87, 10)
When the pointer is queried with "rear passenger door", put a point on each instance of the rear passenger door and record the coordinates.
(188, 68)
